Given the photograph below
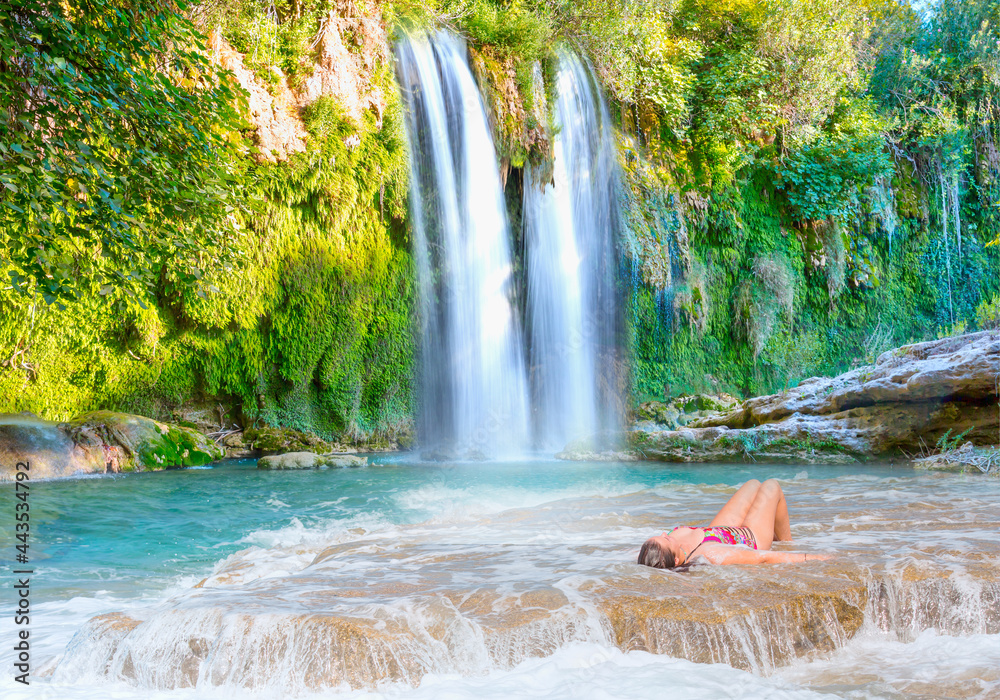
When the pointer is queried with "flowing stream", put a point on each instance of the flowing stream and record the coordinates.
(505, 579)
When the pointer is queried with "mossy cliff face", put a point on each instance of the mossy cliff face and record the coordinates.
(311, 328)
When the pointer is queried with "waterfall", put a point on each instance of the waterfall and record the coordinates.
(944, 237)
(569, 220)
(473, 389)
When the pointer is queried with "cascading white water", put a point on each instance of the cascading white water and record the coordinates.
(568, 225)
(447, 574)
(473, 386)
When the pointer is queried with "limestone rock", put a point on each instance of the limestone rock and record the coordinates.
(685, 409)
(310, 460)
(98, 442)
(234, 441)
(271, 441)
(957, 370)
(206, 418)
(351, 47)
(280, 131)
(902, 404)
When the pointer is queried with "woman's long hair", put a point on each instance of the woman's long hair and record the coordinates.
(652, 554)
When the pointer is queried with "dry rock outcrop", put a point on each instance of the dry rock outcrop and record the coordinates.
(274, 113)
(346, 69)
(901, 405)
(351, 47)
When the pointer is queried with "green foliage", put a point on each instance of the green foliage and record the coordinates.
(855, 143)
(120, 150)
(314, 332)
(511, 27)
(638, 54)
(988, 313)
(271, 35)
(772, 70)
(946, 443)
(824, 175)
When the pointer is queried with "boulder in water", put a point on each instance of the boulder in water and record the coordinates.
(272, 441)
(98, 442)
(46, 449)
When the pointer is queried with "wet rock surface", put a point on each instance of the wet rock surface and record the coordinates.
(898, 407)
(44, 447)
(98, 442)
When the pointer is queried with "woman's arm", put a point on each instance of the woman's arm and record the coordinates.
(728, 554)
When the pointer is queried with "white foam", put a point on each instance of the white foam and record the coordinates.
(589, 671)
(875, 665)
(442, 503)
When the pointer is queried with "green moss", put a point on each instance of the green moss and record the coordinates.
(147, 444)
(177, 448)
(279, 440)
(312, 330)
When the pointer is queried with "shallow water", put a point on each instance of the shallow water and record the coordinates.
(498, 580)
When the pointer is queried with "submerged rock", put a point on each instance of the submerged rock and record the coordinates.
(310, 460)
(98, 442)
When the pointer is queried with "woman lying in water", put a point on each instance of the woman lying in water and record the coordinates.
(755, 516)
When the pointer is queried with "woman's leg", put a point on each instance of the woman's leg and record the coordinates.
(782, 525)
(735, 511)
(768, 515)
